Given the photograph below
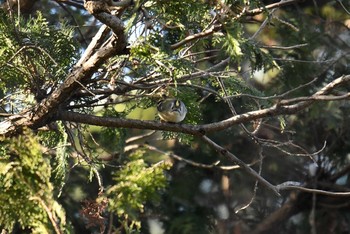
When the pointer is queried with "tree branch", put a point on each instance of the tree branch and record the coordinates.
(43, 112)
(8, 127)
(126, 123)
(271, 6)
(215, 28)
(211, 30)
(281, 108)
(297, 202)
(316, 191)
(244, 166)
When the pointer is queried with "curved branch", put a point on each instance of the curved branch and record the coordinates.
(296, 202)
(9, 126)
(244, 166)
(43, 112)
(278, 216)
(271, 6)
(310, 190)
(216, 28)
(205, 33)
(187, 161)
(189, 129)
(126, 123)
(281, 108)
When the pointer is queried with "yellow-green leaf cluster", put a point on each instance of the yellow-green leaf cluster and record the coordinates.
(26, 193)
(136, 184)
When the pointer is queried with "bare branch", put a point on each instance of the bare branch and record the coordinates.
(95, 43)
(42, 113)
(205, 33)
(181, 159)
(317, 97)
(271, 6)
(244, 166)
(309, 190)
(126, 123)
(276, 47)
(281, 108)
(261, 157)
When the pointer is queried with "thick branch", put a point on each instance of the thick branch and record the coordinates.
(281, 108)
(153, 125)
(126, 123)
(70, 85)
(278, 109)
(95, 43)
(43, 112)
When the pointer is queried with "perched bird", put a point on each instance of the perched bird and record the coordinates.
(171, 110)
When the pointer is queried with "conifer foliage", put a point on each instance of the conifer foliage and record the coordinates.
(264, 147)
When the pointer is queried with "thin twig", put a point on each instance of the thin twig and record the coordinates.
(139, 137)
(309, 190)
(276, 47)
(211, 30)
(342, 5)
(74, 19)
(224, 152)
(317, 97)
(261, 157)
(263, 25)
(51, 216)
(271, 6)
(181, 159)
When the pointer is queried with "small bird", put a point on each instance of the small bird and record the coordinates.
(171, 110)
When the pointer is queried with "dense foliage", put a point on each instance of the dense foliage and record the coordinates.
(264, 147)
